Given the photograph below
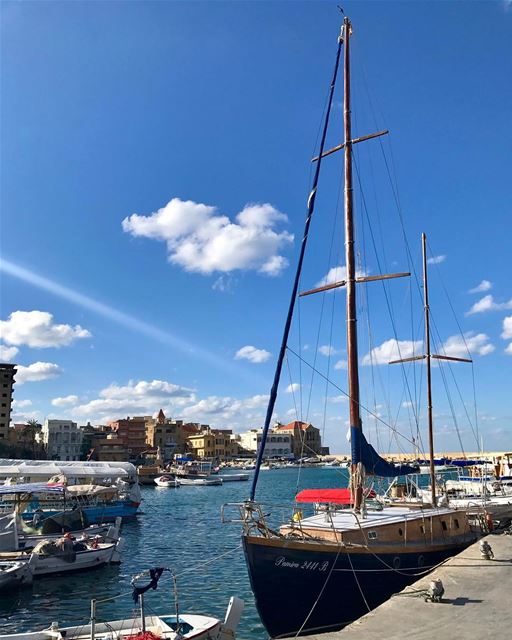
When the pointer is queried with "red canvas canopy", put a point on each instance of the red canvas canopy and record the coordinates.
(333, 496)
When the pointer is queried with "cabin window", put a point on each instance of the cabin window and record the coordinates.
(443, 524)
(422, 529)
(400, 532)
(372, 535)
(456, 523)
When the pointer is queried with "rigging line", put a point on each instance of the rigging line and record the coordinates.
(320, 594)
(286, 332)
(449, 397)
(450, 368)
(291, 385)
(348, 396)
(384, 286)
(445, 290)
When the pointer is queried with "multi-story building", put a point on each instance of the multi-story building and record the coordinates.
(306, 439)
(166, 434)
(278, 445)
(7, 373)
(212, 443)
(132, 432)
(62, 439)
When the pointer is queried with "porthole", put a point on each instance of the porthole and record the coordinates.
(421, 561)
(396, 562)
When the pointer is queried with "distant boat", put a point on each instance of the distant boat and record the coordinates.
(167, 481)
(199, 482)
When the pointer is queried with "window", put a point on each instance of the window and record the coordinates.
(372, 535)
(443, 524)
(456, 523)
(400, 532)
(422, 529)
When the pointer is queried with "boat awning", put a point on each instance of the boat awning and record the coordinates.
(331, 496)
(30, 487)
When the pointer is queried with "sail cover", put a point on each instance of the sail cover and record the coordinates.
(374, 465)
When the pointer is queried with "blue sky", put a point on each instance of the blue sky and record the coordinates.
(154, 175)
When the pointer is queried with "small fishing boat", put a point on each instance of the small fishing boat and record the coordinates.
(14, 574)
(166, 481)
(16, 535)
(199, 482)
(67, 553)
(172, 626)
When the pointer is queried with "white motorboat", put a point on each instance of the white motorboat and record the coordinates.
(234, 477)
(172, 626)
(14, 574)
(199, 482)
(166, 481)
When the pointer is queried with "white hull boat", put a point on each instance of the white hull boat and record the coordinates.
(165, 627)
(14, 574)
(104, 553)
(199, 482)
(167, 481)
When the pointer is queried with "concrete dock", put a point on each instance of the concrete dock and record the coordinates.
(477, 602)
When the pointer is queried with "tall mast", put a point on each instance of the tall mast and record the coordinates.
(353, 373)
(429, 374)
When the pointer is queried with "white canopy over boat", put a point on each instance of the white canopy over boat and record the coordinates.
(75, 472)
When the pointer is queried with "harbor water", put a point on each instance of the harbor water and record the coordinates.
(180, 529)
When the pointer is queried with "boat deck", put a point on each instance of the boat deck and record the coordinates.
(346, 520)
(476, 602)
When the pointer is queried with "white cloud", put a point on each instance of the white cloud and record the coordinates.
(224, 284)
(292, 388)
(227, 409)
(487, 304)
(507, 328)
(200, 240)
(36, 329)
(436, 259)
(337, 399)
(252, 354)
(406, 404)
(477, 344)
(508, 349)
(7, 354)
(336, 274)
(36, 372)
(326, 350)
(65, 401)
(20, 404)
(393, 350)
(135, 398)
(341, 364)
(485, 285)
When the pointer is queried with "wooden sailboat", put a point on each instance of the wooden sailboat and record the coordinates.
(320, 573)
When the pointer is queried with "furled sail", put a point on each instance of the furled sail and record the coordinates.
(374, 465)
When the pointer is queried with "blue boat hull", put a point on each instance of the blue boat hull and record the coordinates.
(95, 514)
(287, 580)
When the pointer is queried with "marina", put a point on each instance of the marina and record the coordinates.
(251, 373)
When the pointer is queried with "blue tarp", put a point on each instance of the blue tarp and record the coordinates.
(30, 487)
(374, 465)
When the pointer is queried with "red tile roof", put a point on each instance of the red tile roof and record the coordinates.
(296, 424)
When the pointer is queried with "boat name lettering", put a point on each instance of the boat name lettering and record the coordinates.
(306, 565)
